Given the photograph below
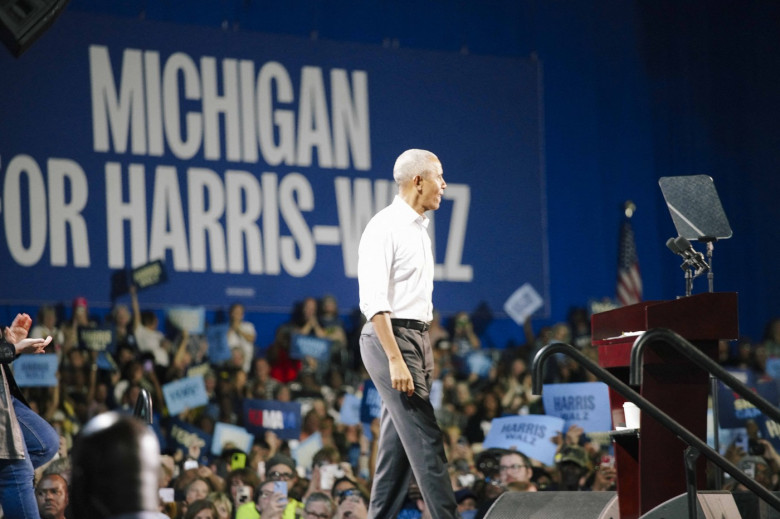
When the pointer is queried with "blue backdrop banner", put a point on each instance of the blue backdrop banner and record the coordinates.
(248, 164)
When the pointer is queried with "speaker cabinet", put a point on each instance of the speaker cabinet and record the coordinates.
(555, 505)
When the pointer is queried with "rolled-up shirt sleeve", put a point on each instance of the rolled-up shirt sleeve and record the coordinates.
(375, 258)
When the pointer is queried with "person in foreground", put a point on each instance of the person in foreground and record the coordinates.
(27, 441)
(395, 277)
(115, 469)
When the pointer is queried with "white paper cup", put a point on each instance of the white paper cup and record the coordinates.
(631, 412)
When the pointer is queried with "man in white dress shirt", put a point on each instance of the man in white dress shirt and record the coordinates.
(395, 275)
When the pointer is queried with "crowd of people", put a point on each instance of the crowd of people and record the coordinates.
(266, 480)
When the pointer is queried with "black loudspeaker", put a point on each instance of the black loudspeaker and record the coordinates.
(555, 505)
(716, 503)
(23, 21)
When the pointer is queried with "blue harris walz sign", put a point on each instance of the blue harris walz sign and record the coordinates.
(582, 403)
(283, 418)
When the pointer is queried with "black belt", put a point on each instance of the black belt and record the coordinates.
(412, 324)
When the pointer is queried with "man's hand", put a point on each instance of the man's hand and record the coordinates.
(18, 329)
(604, 478)
(32, 345)
(401, 377)
(274, 506)
(574, 434)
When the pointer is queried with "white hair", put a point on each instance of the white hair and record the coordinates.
(412, 163)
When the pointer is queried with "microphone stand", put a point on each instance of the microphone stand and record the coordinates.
(688, 278)
(710, 275)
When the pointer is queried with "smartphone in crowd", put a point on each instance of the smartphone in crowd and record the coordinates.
(242, 494)
(166, 495)
(237, 461)
(280, 487)
(328, 475)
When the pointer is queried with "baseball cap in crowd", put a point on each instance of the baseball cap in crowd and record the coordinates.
(80, 302)
(279, 459)
(574, 454)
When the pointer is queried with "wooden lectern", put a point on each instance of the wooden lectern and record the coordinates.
(650, 463)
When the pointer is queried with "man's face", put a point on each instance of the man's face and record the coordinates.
(52, 496)
(281, 472)
(268, 501)
(317, 510)
(512, 467)
(433, 186)
(198, 489)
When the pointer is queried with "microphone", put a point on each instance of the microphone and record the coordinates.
(687, 251)
(672, 246)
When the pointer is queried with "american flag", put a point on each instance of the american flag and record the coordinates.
(629, 280)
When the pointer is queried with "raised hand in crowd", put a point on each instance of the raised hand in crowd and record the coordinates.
(734, 453)
(16, 334)
(604, 477)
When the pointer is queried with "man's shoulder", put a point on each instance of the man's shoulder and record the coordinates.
(247, 511)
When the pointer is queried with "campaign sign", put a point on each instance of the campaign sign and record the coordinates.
(371, 404)
(250, 163)
(96, 339)
(283, 418)
(309, 346)
(349, 414)
(523, 303)
(770, 430)
(186, 393)
(436, 395)
(305, 451)
(530, 434)
(733, 410)
(36, 370)
(190, 318)
(106, 362)
(228, 436)
(149, 275)
(773, 367)
(582, 403)
(185, 435)
(217, 336)
(478, 363)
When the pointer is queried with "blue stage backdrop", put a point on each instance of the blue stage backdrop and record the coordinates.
(250, 164)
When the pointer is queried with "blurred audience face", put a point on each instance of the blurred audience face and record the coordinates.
(281, 472)
(353, 507)
(317, 510)
(198, 489)
(513, 467)
(52, 496)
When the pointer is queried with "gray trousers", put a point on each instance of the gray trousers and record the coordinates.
(410, 441)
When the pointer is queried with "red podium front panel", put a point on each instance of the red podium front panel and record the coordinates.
(650, 463)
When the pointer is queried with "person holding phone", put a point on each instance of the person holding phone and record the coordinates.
(280, 478)
(272, 500)
(28, 440)
(395, 278)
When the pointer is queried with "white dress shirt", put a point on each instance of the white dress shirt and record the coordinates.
(395, 264)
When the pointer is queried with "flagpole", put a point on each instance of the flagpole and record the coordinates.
(628, 208)
(629, 280)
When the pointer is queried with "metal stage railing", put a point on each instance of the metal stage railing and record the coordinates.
(697, 357)
(143, 406)
(648, 407)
